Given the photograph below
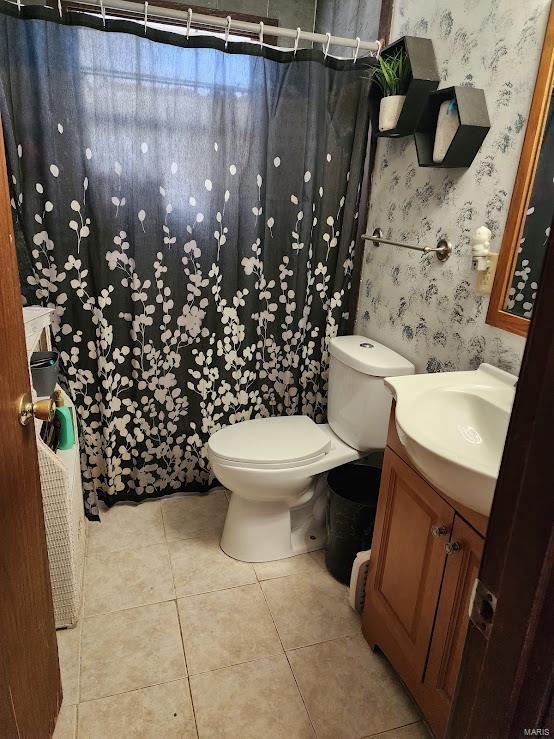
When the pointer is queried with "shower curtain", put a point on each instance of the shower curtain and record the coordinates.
(189, 212)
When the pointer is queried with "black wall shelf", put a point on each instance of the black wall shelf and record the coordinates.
(425, 79)
(474, 126)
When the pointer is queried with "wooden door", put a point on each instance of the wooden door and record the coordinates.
(406, 567)
(30, 689)
(505, 686)
(449, 634)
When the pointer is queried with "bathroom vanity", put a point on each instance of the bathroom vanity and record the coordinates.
(425, 557)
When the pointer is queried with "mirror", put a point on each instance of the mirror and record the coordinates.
(531, 208)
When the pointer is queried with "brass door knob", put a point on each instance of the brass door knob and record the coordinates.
(43, 409)
(452, 547)
(439, 530)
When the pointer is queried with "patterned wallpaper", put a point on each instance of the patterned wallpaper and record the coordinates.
(428, 311)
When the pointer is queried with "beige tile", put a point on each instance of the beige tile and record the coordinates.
(159, 711)
(350, 691)
(131, 577)
(131, 649)
(309, 608)
(289, 566)
(124, 526)
(66, 724)
(252, 700)
(226, 627)
(186, 516)
(412, 731)
(199, 566)
(69, 650)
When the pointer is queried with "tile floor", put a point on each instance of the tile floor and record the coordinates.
(179, 640)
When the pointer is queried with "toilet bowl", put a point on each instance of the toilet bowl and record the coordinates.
(274, 466)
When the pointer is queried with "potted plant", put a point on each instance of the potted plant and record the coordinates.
(393, 77)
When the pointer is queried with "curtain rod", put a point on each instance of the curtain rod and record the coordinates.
(157, 11)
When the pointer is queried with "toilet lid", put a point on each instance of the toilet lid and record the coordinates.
(270, 441)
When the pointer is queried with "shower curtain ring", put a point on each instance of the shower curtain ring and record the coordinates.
(227, 29)
(296, 40)
(357, 49)
(145, 16)
(103, 11)
(326, 50)
(189, 21)
(261, 33)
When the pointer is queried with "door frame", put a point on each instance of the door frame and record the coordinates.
(505, 683)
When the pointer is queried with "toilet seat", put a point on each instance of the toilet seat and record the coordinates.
(279, 442)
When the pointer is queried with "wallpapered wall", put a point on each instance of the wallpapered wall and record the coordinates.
(429, 311)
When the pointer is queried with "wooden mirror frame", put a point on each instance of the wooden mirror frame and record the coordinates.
(497, 315)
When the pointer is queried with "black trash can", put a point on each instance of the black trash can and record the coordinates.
(353, 494)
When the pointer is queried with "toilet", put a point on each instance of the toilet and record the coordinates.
(273, 466)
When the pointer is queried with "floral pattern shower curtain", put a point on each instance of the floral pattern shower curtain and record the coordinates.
(190, 214)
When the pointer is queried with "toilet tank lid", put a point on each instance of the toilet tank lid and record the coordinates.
(369, 357)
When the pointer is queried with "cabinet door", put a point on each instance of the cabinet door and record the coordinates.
(449, 634)
(406, 567)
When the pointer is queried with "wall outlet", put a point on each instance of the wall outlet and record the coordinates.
(485, 278)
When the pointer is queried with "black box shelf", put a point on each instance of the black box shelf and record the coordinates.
(425, 79)
(474, 126)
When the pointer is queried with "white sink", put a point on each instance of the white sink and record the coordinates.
(453, 426)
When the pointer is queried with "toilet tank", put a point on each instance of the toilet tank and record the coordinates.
(358, 404)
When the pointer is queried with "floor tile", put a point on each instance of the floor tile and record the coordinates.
(289, 566)
(186, 516)
(252, 700)
(349, 691)
(199, 566)
(131, 577)
(159, 711)
(412, 731)
(131, 649)
(226, 627)
(124, 526)
(69, 649)
(66, 725)
(308, 608)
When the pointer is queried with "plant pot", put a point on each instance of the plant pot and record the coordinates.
(389, 111)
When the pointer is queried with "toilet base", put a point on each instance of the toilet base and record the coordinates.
(262, 532)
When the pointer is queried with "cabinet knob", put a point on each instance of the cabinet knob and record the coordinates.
(452, 547)
(439, 530)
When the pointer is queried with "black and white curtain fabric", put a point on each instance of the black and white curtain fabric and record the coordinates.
(190, 214)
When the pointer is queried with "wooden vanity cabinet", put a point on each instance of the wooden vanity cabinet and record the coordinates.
(425, 557)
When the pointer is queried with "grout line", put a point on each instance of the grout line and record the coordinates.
(323, 641)
(393, 728)
(288, 662)
(237, 664)
(129, 608)
(186, 667)
(134, 690)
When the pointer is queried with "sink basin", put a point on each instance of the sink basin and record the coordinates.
(453, 426)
